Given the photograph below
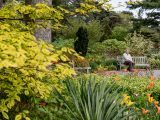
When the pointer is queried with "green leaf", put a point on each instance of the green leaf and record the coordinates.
(25, 111)
(5, 115)
(18, 117)
(26, 92)
(27, 118)
(18, 98)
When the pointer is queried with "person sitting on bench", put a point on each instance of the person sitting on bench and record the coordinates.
(128, 60)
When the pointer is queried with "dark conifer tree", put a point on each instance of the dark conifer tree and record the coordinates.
(81, 43)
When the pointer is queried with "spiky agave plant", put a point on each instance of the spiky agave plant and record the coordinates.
(91, 100)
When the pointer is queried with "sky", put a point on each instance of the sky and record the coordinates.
(120, 5)
(116, 4)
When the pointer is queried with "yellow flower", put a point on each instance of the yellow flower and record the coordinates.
(129, 103)
(148, 95)
(150, 99)
(126, 97)
(126, 100)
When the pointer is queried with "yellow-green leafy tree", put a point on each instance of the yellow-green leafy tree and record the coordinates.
(29, 67)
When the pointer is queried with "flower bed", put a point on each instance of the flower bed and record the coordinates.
(142, 93)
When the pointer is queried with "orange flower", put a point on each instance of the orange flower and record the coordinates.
(116, 78)
(152, 84)
(145, 111)
(148, 95)
(158, 110)
(152, 77)
(156, 103)
(149, 86)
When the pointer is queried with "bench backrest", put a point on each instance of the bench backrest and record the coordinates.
(136, 60)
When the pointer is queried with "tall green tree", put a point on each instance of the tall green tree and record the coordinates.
(123, 27)
(149, 26)
(151, 7)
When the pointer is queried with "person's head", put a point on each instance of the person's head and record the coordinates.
(127, 50)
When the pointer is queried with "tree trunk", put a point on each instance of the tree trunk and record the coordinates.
(1, 4)
(28, 2)
(43, 33)
(49, 2)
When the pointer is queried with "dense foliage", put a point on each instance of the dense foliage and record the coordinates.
(25, 63)
(33, 73)
(138, 44)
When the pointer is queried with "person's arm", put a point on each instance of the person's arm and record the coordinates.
(130, 58)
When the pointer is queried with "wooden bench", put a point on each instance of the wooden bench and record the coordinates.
(139, 61)
(88, 69)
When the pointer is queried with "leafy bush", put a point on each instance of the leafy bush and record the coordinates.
(119, 33)
(155, 63)
(109, 62)
(137, 44)
(155, 55)
(94, 65)
(102, 54)
(90, 100)
(114, 47)
(25, 65)
(51, 109)
(94, 30)
(60, 43)
(111, 67)
(111, 47)
(81, 62)
(98, 61)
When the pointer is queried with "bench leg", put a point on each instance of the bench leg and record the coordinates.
(87, 71)
(118, 67)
